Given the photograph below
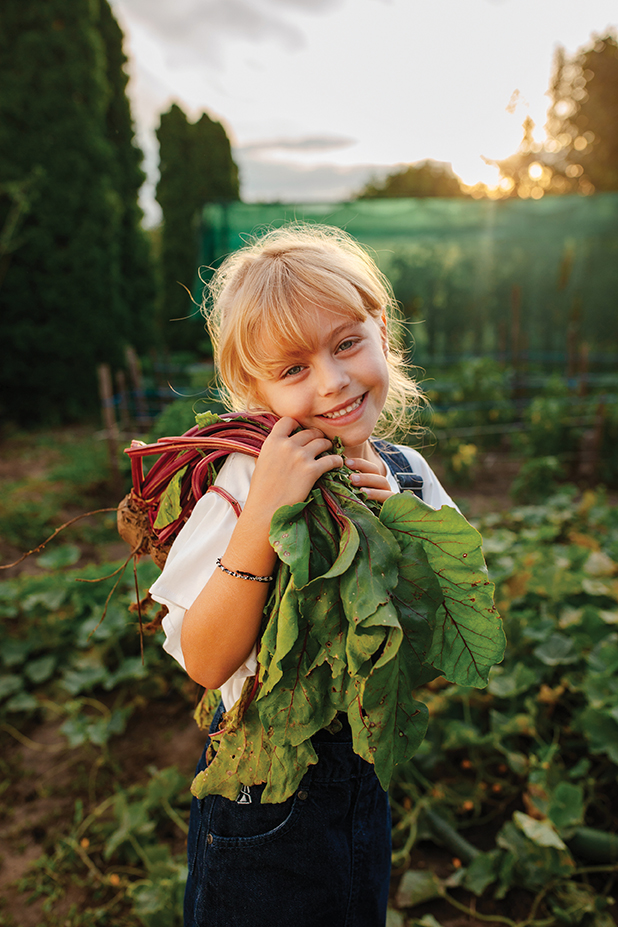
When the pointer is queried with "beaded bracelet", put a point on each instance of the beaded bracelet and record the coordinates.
(241, 575)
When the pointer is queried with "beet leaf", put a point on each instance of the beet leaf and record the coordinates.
(365, 610)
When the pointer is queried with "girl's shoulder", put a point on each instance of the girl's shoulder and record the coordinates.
(214, 514)
(205, 534)
(235, 475)
(234, 478)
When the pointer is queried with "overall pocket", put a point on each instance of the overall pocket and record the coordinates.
(248, 821)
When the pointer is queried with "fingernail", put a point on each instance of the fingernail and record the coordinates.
(349, 463)
(355, 477)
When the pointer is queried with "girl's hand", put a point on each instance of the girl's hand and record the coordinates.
(288, 467)
(367, 477)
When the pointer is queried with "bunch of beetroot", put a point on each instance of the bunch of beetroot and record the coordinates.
(160, 502)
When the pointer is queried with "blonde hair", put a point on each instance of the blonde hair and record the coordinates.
(275, 287)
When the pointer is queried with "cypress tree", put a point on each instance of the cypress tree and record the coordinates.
(178, 248)
(196, 167)
(64, 306)
(137, 289)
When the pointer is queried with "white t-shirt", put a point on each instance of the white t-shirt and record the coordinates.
(206, 535)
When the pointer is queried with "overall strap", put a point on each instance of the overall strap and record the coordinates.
(400, 466)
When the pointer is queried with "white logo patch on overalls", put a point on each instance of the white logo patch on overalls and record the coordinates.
(245, 796)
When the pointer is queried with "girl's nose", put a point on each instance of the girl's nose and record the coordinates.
(332, 378)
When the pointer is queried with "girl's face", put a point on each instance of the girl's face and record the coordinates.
(339, 385)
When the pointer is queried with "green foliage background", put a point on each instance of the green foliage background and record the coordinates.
(516, 770)
(196, 167)
(75, 275)
(526, 282)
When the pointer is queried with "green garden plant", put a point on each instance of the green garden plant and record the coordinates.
(536, 757)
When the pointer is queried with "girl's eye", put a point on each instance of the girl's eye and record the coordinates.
(347, 344)
(292, 371)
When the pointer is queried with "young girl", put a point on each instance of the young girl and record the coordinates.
(302, 326)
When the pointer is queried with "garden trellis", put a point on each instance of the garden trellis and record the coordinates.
(521, 280)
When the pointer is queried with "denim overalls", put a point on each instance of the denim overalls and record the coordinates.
(320, 859)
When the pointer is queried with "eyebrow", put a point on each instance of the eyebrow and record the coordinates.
(344, 325)
(279, 363)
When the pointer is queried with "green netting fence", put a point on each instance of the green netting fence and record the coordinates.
(531, 283)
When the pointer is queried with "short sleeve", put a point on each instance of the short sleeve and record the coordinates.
(192, 561)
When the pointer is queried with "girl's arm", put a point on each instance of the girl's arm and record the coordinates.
(221, 627)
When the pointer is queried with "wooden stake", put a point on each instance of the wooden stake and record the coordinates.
(111, 428)
(590, 446)
(123, 403)
(136, 379)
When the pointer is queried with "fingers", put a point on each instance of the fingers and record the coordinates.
(308, 435)
(378, 495)
(366, 476)
(370, 481)
(364, 466)
(284, 427)
(311, 440)
(289, 428)
(329, 462)
(288, 465)
(374, 486)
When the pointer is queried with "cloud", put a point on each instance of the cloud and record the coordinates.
(309, 6)
(270, 181)
(199, 27)
(311, 143)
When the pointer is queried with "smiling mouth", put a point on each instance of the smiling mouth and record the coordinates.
(345, 411)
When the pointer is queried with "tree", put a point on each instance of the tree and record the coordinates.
(583, 118)
(196, 167)
(531, 171)
(136, 264)
(65, 292)
(580, 153)
(425, 178)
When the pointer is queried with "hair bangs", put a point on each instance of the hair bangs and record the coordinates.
(266, 306)
(283, 332)
(284, 299)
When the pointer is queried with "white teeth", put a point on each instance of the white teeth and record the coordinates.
(350, 408)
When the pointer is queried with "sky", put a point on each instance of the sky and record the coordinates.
(319, 96)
